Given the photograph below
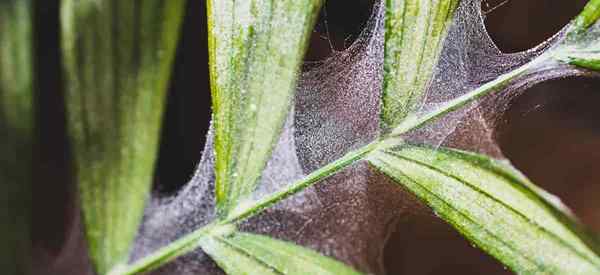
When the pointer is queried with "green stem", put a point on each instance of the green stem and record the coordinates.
(500, 82)
(167, 253)
(243, 212)
(191, 241)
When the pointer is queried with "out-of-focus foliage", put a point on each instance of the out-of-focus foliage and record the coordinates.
(16, 131)
(117, 60)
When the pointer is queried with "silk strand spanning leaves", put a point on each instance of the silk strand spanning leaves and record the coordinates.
(545, 224)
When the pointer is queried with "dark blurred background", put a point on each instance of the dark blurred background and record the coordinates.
(551, 133)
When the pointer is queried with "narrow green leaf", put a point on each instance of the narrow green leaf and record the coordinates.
(414, 36)
(581, 47)
(117, 61)
(588, 62)
(256, 48)
(16, 134)
(243, 253)
(494, 206)
(191, 241)
(589, 15)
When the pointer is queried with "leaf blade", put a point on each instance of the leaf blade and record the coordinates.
(589, 15)
(414, 35)
(244, 253)
(255, 50)
(492, 205)
(117, 61)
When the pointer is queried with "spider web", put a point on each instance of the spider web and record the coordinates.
(349, 215)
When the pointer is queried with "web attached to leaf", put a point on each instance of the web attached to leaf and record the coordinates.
(350, 214)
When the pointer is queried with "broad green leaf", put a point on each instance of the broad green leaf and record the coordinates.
(494, 206)
(255, 49)
(117, 59)
(414, 36)
(16, 134)
(243, 253)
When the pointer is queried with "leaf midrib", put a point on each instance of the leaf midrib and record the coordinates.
(512, 209)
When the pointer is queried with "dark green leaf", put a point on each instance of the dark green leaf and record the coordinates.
(494, 206)
(117, 59)
(256, 48)
(16, 131)
(414, 35)
(243, 253)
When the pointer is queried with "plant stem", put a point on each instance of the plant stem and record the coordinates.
(243, 212)
(500, 82)
(191, 241)
(169, 252)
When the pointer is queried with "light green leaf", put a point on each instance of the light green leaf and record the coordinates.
(589, 15)
(256, 48)
(16, 134)
(117, 61)
(414, 36)
(243, 253)
(586, 61)
(494, 206)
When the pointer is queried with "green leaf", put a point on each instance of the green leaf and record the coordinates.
(16, 134)
(256, 48)
(581, 46)
(586, 61)
(414, 36)
(243, 253)
(192, 240)
(117, 59)
(494, 206)
(589, 15)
